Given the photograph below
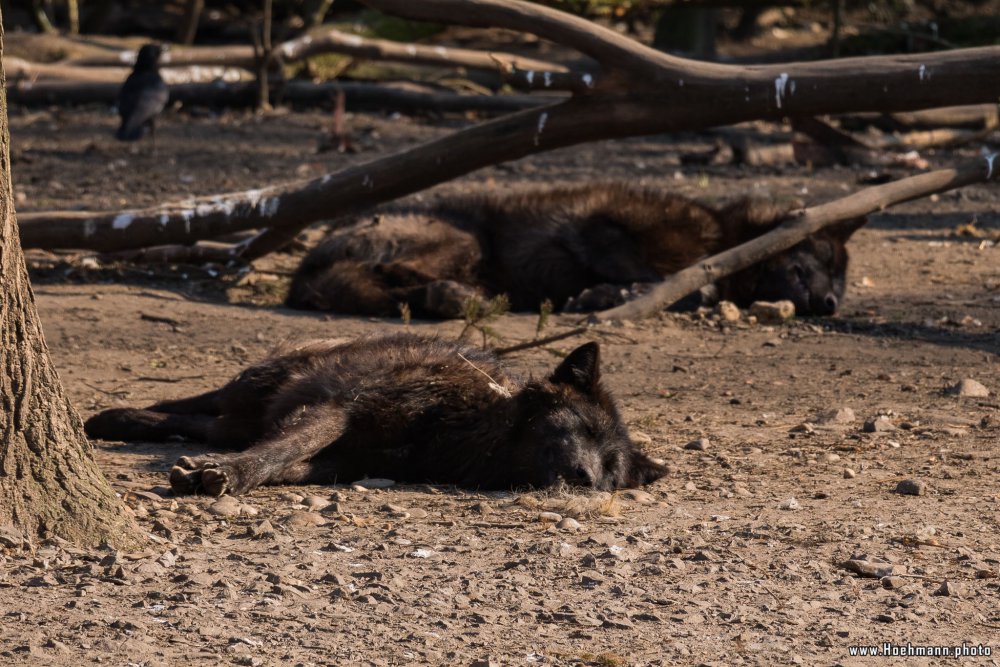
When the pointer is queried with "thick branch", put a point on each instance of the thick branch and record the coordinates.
(800, 225)
(603, 44)
(290, 208)
(880, 83)
(328, 40)
(18, 68)
(404, 98)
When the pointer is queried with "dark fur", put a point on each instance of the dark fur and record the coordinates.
(143, 95)
(580, 247)
(404, 407)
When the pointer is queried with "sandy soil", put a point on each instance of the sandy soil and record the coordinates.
(737, 557)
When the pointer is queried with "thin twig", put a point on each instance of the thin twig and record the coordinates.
(152, 378)
(538, 342)
(159, 318)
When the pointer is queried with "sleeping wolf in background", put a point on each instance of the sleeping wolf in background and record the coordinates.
(580, 247)
(404, 407)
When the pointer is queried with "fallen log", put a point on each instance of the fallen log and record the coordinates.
(974, 117)
(402, 98)
(799, 225)
(328, 40)
(18, 68)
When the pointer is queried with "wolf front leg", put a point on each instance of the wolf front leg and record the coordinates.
(277, 459)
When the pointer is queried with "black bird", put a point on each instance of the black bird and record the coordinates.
(143, 95)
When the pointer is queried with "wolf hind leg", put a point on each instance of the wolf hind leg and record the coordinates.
(130, 424)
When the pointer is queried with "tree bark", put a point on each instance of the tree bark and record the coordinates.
(49, 481)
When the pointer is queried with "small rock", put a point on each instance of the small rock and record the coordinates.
(849, 473)
(262, 530)
(421, 553)
(968, 387)
(375, 483)
(304, 519)
(638, 495)
(951, 589)
(728, 311)
(225, 506)
(880, 424)
(790, 504)
(315, 503)
(835, 416)
(57, 645)
(772, 342)
(893, 583)
(549, 517)
(293, 498)
(248, 510)
(699, 445)
(640, 438)
(776, 312)
(872, 568)
(911, 487)
(569, 524)
(565, 549)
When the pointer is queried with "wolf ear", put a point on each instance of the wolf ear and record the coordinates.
(581, 369)
(644, 470)
(842, 231)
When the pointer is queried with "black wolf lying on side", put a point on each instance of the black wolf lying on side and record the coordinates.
(581, 247)
(404, 407)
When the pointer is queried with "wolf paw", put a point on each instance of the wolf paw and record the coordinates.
(599, 297)
(192, 475)
(215, 481)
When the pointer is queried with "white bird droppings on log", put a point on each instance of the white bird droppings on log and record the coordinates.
(542, 119)
(122, 221)
(779, 87)
(269, 206)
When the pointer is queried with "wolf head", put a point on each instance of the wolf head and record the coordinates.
(570, 431)
(812, 274)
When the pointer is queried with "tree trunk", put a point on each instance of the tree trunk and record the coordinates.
(49, 481)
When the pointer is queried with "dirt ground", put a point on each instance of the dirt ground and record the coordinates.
(736, 557)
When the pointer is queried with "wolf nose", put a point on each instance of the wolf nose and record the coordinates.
(581, 476)
(831, 303)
